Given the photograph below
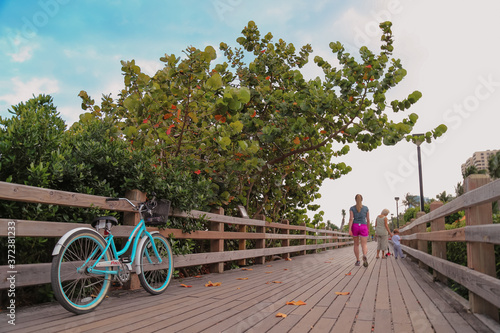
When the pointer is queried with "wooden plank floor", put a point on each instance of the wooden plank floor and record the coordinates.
(389, 296)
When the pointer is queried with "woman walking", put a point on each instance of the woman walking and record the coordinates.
(359, 218)
(382, 231)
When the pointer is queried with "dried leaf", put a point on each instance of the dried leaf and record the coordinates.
(288, 259)
(212, 284)
(349, 273)
(269, 265)
(186, 286)
(282, 315)
(268, 272)
(342, 293)
(247, 269)
(241, 278)
(198, 276)
(277, 282)
(296, 303)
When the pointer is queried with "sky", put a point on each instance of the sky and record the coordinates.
(450, 49)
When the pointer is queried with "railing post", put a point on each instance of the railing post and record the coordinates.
(317, 234)
(407, 232)
(326, 240)
(242, 244)
(413, 243)
(133, 218)
(422, 244)
(217, 245)
(261, 243)
(480, 256)
(438, 248)
(285, 242)
(303, 241)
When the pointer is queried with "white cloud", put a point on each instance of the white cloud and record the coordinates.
(17, 47)
(24, 53)
(149, 67)
(23, 91)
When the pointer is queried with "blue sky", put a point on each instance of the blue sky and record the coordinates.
(450, 49)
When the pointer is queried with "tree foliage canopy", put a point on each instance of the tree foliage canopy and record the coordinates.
(252, 124)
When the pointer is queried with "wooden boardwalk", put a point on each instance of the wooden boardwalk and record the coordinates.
(389, 296)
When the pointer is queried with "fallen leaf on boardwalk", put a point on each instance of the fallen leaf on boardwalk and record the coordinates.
(186, 286)
(212, 284)
(285, 269)
(269, 265)
(342, 293)
(282, 315)
(348, 273)
(198, 276)
(277, 282)
(296, 303)
(247, 269)
(268, 272)
(241, 278)
(288, 259)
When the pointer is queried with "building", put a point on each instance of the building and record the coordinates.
(479, 159)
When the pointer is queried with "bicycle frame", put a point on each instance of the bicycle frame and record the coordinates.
(137, 234)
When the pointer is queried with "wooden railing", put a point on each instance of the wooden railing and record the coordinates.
(479, 277)
(33, 274)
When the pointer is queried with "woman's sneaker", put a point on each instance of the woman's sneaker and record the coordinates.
(357, 263)
(365, 261)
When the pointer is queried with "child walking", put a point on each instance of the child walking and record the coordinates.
(396, 240)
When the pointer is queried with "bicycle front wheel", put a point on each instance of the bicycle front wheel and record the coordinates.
(76, 289)
(155, 276)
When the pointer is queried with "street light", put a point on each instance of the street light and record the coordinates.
(418, 143)
(397, 214)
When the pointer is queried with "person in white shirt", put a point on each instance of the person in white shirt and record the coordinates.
(396, 240)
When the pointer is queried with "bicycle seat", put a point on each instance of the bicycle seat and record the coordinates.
(111, 219)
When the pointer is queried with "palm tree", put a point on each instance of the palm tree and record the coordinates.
(494, 165)
(472, 170)
(343, 219)
(443, 197)
(459, 189)
(410, 200)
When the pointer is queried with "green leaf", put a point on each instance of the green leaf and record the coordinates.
(211, 51)
(243, 145)
(214, 82)
(244, 95)
(225, 141)
(237, 126)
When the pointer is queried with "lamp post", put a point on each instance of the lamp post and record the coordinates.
(397, 213)
(418, 143)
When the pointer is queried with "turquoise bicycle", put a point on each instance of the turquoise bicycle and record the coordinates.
(86, 263)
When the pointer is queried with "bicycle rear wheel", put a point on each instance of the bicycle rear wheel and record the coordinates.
(155, 276)
(76, 289)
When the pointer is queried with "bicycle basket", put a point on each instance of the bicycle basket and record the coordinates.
(158, 215)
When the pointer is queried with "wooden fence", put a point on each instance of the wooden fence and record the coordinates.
(34, 274)
(479, 277)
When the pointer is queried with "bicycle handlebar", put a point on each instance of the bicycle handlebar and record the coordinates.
(147, 204)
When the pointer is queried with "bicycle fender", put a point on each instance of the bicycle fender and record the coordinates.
(138, 255)
(63, 239)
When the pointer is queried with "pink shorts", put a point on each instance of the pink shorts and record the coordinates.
(359, 230)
